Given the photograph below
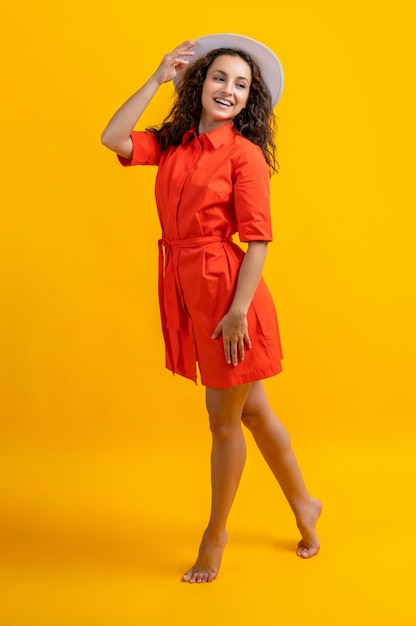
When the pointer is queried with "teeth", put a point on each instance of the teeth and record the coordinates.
(222, 102)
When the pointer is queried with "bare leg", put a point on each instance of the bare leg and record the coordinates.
(227, 462)
(274, 443)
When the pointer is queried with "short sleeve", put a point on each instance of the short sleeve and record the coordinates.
(252, 195)
(146, 149)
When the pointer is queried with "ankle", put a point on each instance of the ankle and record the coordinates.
(215, 535)
(302, 506)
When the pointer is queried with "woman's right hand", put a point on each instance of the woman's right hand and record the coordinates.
(117, 134)
(172, 63)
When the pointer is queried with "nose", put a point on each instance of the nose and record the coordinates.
(227, 88)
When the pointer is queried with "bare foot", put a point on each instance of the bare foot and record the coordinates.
(309, 545)
(209, 559)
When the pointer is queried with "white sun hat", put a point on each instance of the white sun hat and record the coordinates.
(269, 64)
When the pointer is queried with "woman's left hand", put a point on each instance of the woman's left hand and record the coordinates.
(234, 330)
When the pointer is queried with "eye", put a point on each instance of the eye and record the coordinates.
(241, 85)
(220, 78)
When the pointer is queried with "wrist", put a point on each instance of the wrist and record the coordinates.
(238, 309)
(153, 82)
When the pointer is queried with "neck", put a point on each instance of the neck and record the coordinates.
(206, 127)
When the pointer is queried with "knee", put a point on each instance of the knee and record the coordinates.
(263, 423)
(222, 427)
(251, 419)
(256, 412)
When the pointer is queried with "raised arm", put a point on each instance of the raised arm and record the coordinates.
(116, 135)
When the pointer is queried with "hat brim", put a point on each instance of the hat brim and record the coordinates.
(270, 66)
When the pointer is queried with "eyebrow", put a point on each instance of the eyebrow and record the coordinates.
(225, 74)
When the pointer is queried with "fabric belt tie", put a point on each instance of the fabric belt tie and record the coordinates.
(172, 306)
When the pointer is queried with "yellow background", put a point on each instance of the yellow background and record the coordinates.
(104, 455)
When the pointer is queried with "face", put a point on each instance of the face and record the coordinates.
(225, 91)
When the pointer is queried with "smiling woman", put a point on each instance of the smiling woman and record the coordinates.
(255, 121)
(214, 153)
(225, 91)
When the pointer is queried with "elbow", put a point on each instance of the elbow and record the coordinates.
(110, 140)
(113, 142)
(117, 145)
(106, 139)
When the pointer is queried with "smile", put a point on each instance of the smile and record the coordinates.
(223, 102)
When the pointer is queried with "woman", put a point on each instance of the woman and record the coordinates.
(214, 152)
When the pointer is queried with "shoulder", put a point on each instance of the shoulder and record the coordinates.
(246, 147)
(248, 154)
(144, 137)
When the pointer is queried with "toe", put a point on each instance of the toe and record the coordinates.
(308, 551)
(190, 577)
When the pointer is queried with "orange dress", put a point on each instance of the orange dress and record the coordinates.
(208, 188)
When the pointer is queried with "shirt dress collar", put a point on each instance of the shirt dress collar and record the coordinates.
(217, 137)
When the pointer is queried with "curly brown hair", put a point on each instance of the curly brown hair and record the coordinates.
(256, 121)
